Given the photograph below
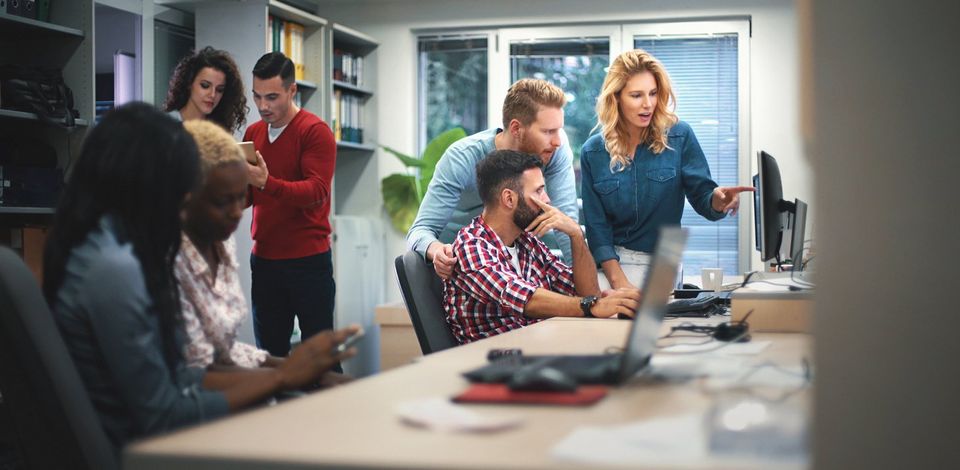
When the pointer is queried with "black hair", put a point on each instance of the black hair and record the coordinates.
(274, 64)
(231, 112)
(137, 165)
(502, 169)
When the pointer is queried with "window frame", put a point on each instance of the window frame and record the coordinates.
(421, 137)
(500, 58)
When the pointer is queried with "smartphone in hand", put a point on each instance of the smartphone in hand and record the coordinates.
(349, 342)
(249, 152)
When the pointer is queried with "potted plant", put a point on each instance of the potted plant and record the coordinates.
(403, 192)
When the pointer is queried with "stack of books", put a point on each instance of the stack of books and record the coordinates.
(347, 117)
(347, 67)
(287, 37)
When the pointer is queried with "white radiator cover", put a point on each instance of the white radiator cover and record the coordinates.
(358, 244)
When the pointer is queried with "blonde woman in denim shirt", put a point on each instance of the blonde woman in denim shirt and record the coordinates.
(638, 169)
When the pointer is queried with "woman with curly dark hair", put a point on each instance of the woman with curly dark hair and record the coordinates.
(207, 85)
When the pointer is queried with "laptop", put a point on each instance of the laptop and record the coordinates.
(611, 369)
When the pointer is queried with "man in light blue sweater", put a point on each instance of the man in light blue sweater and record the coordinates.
(532, 123)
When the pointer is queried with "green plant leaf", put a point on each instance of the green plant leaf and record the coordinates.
(406, 159)
(433, 152)
(401, 200)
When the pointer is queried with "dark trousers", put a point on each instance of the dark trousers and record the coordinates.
(282, 289)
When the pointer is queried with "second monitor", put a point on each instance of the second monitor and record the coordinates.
(773, 214)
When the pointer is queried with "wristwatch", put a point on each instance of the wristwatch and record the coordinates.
(586, 304)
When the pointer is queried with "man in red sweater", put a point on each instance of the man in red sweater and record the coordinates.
(290, 190)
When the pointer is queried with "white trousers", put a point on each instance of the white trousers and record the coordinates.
(635, 265)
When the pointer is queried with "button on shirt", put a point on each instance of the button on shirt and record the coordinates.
(486, 295)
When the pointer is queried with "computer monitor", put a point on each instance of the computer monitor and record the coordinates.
(798, 225)
(771, 211)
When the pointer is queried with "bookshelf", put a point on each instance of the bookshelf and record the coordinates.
(351, 80)
(303, 40)
(63, 41)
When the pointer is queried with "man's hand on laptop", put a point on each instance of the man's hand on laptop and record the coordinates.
(615, 301)
(443, 259)
(552, 218)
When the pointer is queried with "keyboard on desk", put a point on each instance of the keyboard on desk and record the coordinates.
(585, 369)
(702, 306)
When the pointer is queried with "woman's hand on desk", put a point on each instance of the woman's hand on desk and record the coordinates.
(308, 361)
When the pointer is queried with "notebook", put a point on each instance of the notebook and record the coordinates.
(640, 344)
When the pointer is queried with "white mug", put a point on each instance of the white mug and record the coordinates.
(712, 278)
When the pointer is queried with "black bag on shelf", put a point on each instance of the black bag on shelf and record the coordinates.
(37, 90)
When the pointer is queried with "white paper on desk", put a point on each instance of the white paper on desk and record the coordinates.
(692, 366)
(441, 415)
(674, 440)
(760, 375)
(746, 349)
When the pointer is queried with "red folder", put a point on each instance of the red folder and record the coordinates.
(500, 393)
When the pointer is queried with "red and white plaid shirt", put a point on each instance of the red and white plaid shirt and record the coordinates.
(486, 295)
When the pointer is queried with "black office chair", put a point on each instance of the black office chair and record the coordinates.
(423, 293)
(45, 400)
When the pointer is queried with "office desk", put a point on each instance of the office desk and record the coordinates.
(356, 425)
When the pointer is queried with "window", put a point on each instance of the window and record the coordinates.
(707, 60)
(453, 84)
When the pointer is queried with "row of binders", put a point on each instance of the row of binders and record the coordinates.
(347, 117)
(347, 67)
(287, 37)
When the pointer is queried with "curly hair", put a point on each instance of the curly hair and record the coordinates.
(610, 120)
(231, 112)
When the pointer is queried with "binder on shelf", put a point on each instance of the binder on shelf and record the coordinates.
(43, 10)
(337, 116)
(358, 74)
(338, 65)
(276, 29)
(296, 48)
(269, 38)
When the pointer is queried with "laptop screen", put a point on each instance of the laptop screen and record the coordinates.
(656, 291)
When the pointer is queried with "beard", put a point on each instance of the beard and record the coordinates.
(525, 214)
(526, 146)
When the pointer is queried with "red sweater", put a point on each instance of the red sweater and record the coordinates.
(291, 216)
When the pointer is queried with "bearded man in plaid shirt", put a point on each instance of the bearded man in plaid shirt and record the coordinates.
(505, 277)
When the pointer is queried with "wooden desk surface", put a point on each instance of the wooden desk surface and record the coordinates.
(357, 426)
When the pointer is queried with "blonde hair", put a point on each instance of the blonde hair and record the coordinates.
(525, 97)
(215, 145)
(611, 121)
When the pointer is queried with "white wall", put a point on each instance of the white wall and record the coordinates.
(773, 78)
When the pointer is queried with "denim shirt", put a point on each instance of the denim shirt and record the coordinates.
(103, 311)
(454, 186)
(627, 208)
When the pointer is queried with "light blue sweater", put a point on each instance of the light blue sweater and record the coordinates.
(454, 187)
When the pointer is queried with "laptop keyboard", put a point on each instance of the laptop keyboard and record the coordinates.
(583, 369)
(699, 304)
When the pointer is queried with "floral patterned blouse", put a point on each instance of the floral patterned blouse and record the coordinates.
(213, 308)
